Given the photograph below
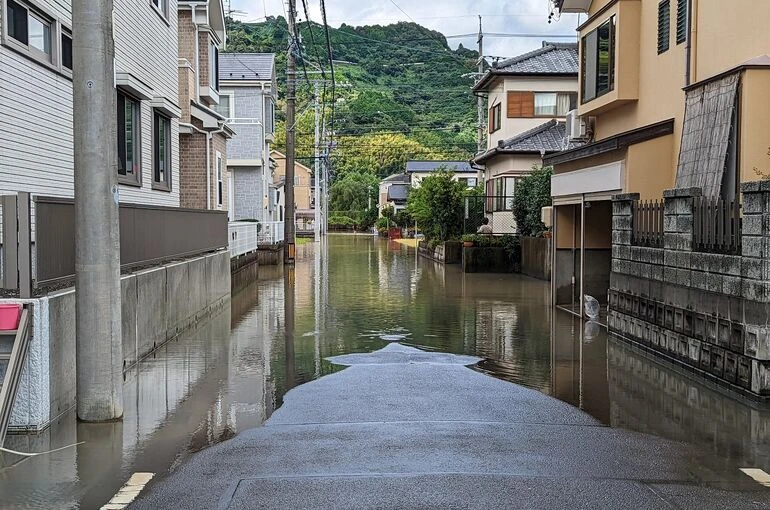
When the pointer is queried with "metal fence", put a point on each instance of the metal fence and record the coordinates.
(149, 235)
(717, 225)
(498, 209)
(648, 224)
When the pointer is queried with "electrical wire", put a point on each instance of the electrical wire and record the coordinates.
(331, 66)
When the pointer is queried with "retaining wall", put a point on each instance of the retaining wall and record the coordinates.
(709, 312)
(449, 252)
(536, 257)
(157, 305)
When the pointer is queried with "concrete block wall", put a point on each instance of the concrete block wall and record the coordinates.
(157, 305)
(708, 311)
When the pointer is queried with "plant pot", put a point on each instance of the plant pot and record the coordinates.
(9, 317)
(467, 244)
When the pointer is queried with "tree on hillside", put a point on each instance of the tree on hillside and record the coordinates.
(355, 191)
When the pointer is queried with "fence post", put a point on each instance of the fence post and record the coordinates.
(10, 242)
(679, 215)
(755, 240)
(25, 246)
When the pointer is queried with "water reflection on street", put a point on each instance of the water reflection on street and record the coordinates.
(356, 294)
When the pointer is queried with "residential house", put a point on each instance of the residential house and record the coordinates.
(673, 93)
(304, 206)
(462, 170)
(393, 192)
(247, 91)
(535, 91)
(203, 132)
(36, 91)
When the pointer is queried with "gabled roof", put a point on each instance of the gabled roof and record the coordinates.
(397, 178)
(553, 59)
(547, 138)
(246, 66)
(434, 166)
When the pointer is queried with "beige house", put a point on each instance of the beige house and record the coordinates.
(529, 97)
(673, 93)
(302, 180)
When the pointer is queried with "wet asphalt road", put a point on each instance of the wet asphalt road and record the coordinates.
(402, 428)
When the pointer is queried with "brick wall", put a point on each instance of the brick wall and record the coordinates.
(204, 41)
(186, 37)
(192, 170)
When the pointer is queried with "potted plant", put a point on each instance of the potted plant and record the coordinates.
(468, 240)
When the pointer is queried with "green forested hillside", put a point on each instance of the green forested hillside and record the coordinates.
(400, 94)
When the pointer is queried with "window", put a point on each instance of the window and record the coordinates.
(495, 121)
(214, 66)
(31, 29)
(521, 104)
(664, 25)
(598, 66)
(161, 152)
(129, 150)
(220, 188)
(681, 21)
(162, 6)
(554, 104)
(66, 51)
(500, 193)
(226, 105)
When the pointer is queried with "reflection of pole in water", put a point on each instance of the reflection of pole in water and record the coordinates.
(317, 303)
(288, 311)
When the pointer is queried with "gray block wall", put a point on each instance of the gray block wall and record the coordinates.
(157, 305)
(708, 311)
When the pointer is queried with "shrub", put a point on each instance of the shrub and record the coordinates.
(531, 195)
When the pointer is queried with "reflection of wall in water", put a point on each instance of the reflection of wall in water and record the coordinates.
(649, 397)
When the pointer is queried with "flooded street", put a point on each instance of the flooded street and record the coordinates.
(357, 294)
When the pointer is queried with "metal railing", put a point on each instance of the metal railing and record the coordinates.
(716, 225)
(149, 235)
(247, 236)
(648, 224)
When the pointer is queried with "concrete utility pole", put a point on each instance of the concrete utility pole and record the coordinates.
(291, 92)
(99, 348)
(479, 99)
(317, 168)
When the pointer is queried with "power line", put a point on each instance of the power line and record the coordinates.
(331, 61)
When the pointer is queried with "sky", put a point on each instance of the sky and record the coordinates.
(450, 17)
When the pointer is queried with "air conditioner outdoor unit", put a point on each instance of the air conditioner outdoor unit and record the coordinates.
(576, 126)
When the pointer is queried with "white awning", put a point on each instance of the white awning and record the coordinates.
(598, 179)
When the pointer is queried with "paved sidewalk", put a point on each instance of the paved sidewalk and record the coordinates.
(402, 428)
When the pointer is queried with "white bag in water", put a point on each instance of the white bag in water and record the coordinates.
(591, 307)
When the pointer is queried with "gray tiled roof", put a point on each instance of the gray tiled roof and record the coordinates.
(398, 178)
(433, 166)
(246, 66)
(552, 58)
(545, 139)
(398, 192)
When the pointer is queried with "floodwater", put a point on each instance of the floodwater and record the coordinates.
(356, 294)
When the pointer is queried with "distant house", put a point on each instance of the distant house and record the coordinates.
(303, 177)
(529, 97)
(463, 171)
(394, 191)
(203, 133)
(247, 100)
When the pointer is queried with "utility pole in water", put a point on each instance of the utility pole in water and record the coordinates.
(291, 92)
(317, 167)
(99, 347)
(480, 100)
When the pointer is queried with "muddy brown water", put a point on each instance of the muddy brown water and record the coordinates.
(356, 294)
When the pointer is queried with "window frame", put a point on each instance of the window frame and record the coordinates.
(556, 107)
(611, 22)
(68, 34)
(213, 66)
(124, 178)
(57, 30)
(218, 175)
(664, 26)
(161, 7)
(495, 118)
(230, 94)
(165, 183)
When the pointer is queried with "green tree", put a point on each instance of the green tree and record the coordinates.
(354, 192)
(531, 195)
(437, 206)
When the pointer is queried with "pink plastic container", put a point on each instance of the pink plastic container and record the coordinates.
(9, 317)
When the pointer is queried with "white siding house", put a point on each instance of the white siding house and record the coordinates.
(36, 131)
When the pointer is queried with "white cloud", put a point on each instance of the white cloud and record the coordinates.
(450, 17)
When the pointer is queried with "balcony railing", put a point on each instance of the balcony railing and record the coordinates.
(716, 225)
